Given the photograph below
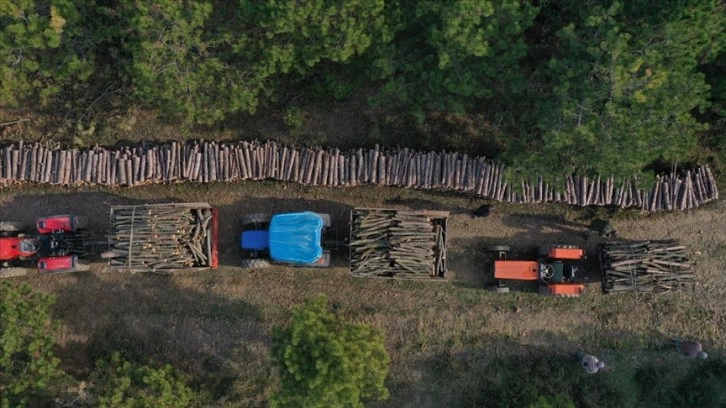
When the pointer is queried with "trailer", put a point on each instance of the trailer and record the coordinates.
(163, 237)
(399, 244)
(652, 266)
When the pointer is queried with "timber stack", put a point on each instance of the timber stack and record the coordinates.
(163, 237)
(645, 267)
(401, 244)
(213, 161)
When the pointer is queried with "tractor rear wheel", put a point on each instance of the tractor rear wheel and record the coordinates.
(10, 226)
(255, 263)
(499, 248)
(545, 291)
(258, 218)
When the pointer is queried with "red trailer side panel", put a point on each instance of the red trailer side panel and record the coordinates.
(214, 256)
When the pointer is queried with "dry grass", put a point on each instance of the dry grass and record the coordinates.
(215, 325)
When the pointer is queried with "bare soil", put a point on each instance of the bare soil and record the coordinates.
(215, 325)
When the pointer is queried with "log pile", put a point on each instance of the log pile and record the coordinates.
(645, 266)
(162, 237)
(223, 162)
(399, 244)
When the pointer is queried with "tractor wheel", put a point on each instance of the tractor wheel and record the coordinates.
(255, 263)
(544, 291)
(10, 226)
(499, 289)
(259, 218)
(499, 248)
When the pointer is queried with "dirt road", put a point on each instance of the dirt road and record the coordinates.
(217, 324)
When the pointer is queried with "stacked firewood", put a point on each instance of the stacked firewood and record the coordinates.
(222, 162)
(159, 237)
(645, 266)
(398, 243)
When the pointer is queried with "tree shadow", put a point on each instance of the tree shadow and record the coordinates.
(504, 374)
(156, 319)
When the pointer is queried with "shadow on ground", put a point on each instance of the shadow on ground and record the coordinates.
(505, 374)
(155, 319)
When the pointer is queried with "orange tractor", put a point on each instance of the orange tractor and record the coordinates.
(555, 270)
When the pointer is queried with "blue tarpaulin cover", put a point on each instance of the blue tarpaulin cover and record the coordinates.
(295, 237)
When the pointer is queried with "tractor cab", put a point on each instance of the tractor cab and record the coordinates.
(290, 238)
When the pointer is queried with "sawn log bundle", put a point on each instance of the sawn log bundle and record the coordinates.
(401, 244)
(645, 266)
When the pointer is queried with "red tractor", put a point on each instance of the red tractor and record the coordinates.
(555, 270)
(56, 248)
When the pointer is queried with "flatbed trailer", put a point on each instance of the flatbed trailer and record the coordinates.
(163, 237)
(399, 244)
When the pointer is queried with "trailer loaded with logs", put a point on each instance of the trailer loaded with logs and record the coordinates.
(401, 244)
(163, 237)
(645, 267)
(56, 246)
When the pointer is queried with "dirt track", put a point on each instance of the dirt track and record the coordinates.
(217, 323)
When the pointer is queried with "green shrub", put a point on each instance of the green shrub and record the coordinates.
(324, 361)
(29, 371)
(120, 383)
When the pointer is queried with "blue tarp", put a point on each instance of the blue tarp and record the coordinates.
(295, 237)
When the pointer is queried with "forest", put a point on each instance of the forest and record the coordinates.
(546, 87)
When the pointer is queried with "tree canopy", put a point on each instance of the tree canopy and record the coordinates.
(28, 367)
(42, 49)
(121, 383)
(324, 361)
(624, 83)
(601, 86)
